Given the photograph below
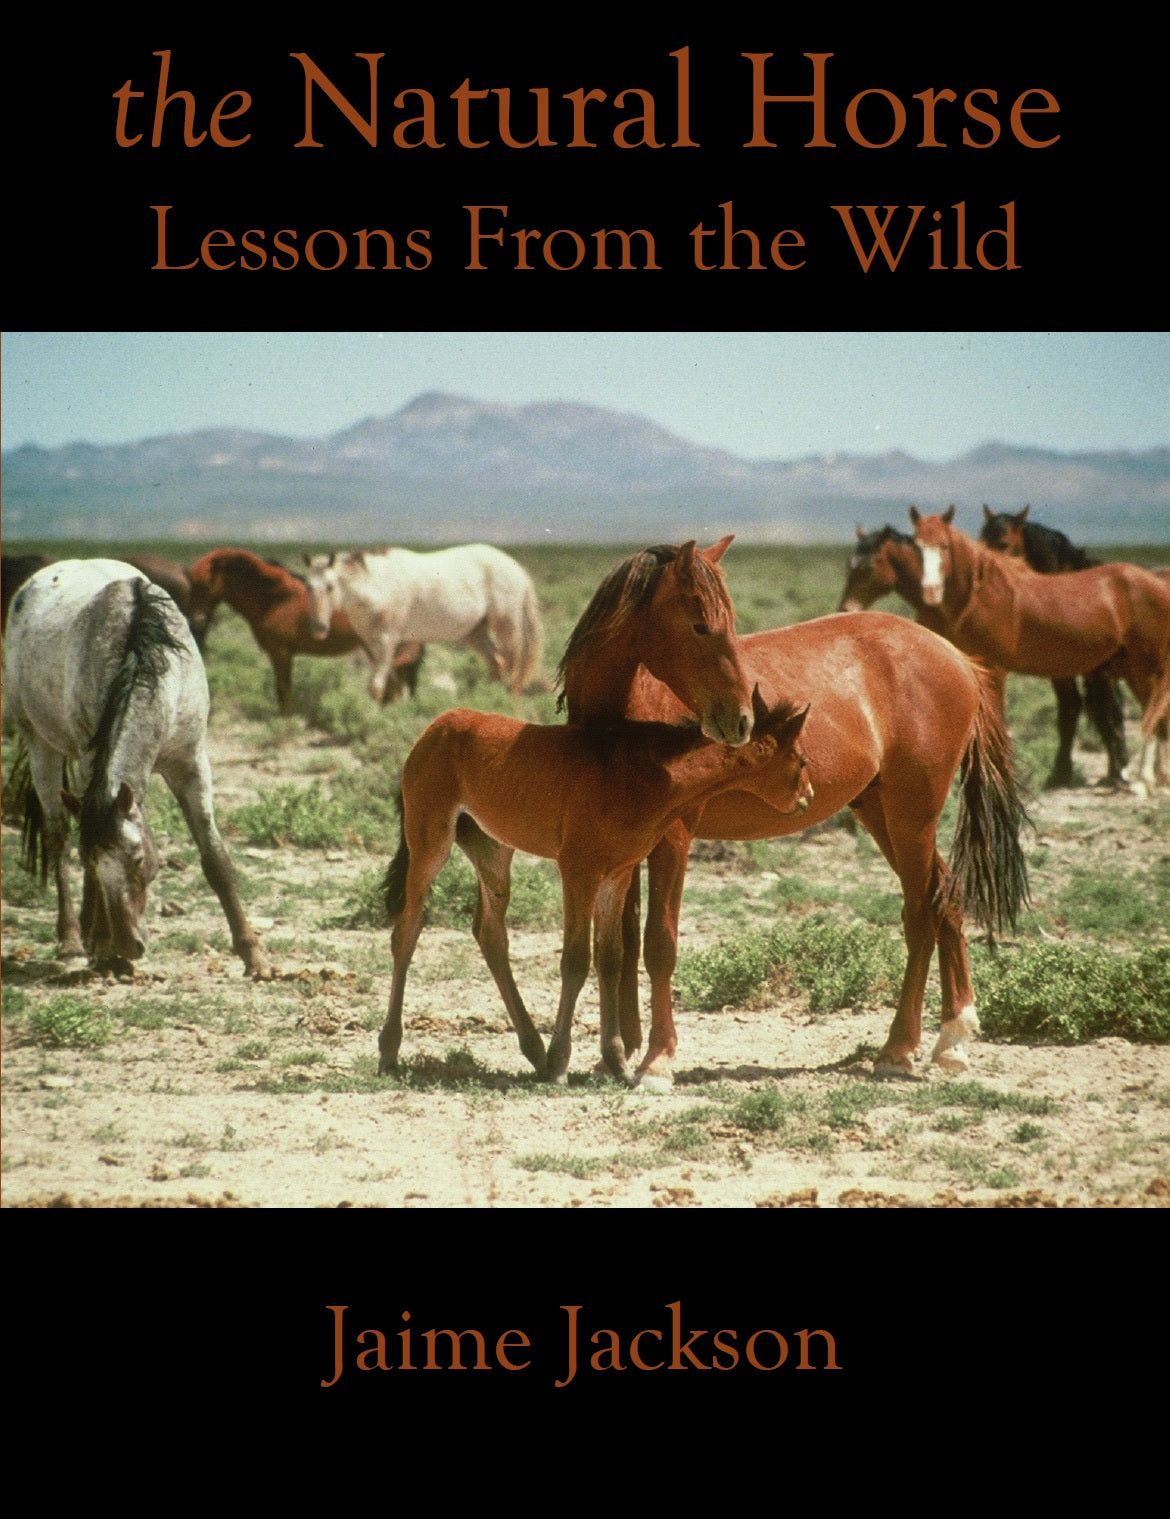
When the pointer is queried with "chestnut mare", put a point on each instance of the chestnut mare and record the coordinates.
(101, 671)
(596, 798)
(1050, 552)
(275, 605)
(998, 610)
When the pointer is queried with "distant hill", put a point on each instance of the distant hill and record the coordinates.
(448, 468)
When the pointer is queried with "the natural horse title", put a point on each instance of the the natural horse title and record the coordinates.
(788, 104)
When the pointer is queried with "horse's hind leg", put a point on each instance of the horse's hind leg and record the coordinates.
(493, 870)
(1068, 710)
(1103, 704)
(909, 846)
(409, 879)
(191, 784)
(46, 770)
(483, 642)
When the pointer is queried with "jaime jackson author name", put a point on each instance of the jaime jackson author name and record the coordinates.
(672, 1344)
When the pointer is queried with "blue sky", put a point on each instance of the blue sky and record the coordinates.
(757, 394)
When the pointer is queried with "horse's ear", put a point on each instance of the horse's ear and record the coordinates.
(1021, 517)
(125, 799)
(790, 732)
(308, 558)
(949, 515)
(684, 561)
(72, 805)
(988, 514)
(860, 530)
(717, 550)
(914, 515)
(357, 556)
(759, 710)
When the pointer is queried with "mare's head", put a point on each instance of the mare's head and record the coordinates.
(1004, 532)
(932, 538)
(668, 609)
(119, 859)
(777, 733)
(871, 573)
(326, 586)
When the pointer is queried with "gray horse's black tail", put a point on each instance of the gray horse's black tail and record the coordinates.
(21, 795)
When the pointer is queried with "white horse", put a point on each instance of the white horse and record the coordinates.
(473, 594)
(102, 673)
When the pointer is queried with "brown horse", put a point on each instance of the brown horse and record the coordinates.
(275, 605)
(596, 798)
(894, 713)
(1000, 611)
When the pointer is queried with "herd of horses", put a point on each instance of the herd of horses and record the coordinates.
(675, 728)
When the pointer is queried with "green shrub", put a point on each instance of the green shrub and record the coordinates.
(1063, 994)
(836, 964)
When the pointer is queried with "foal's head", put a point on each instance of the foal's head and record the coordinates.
(777, 733)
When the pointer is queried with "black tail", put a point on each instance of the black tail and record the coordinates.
(989, 871)
(394, 886)
(21, 795)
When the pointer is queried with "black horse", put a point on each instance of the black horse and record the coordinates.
(1049, 552)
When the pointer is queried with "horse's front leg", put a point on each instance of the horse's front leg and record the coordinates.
(666, 870)
(609, 958)
(191, 785)
(578, 910)
(381, 644)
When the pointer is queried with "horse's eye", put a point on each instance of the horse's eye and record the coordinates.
(700, 629)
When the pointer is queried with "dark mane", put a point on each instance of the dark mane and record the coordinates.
(869, 543)
(149, 644)
(622, 592)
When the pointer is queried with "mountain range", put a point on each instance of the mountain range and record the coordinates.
(446, 468)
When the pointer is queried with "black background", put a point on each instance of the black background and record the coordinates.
(959, 1332)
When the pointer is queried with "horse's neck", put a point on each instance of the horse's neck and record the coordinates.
(907, 584)
(706, 768)
(249, 587)
(596, 690)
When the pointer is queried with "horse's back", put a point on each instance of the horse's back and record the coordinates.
(67, 636)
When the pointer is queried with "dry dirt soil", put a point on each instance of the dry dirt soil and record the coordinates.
(263, 1096)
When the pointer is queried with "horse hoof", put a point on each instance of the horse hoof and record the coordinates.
(886, 1068)
(259, 969)
(953, 1061)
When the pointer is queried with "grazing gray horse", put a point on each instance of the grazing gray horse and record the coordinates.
(102, 673)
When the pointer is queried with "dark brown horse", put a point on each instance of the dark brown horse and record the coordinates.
(275, 605)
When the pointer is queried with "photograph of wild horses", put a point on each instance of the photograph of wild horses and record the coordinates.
(757, 898)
